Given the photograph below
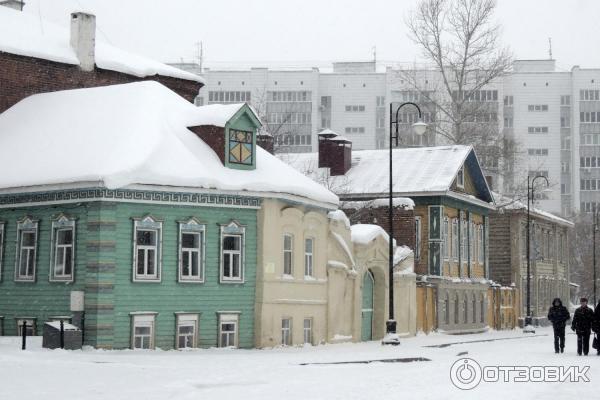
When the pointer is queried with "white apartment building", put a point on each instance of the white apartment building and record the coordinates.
(554, 117)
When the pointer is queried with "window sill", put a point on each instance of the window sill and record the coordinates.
(25, 280)
(231, 281)
(194, 281)
(59, 280)
(146, 280)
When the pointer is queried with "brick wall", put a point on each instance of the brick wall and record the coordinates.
(213, 136)
(22, 76)
(404, 222)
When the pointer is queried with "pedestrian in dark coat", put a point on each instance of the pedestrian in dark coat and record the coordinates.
(582, 325)
(596, 325)
(558, 315)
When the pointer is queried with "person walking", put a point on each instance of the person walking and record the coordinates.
(596, 327)
(558, 315)
(582, 325)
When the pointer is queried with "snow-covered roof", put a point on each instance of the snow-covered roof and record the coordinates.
(416, 171)
(27, 35)
(366, 233)
(340, 216)
(401, 253)
(216, 114)
(129, 134)
(403, 202)
(507, 203)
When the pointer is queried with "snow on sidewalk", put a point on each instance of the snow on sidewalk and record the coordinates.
(277, 373)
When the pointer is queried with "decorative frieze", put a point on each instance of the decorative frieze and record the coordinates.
(99, 194)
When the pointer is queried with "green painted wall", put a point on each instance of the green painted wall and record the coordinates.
(41, 298)
(104, 262)
(169, 296)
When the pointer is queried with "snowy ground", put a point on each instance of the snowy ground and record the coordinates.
(278, 373)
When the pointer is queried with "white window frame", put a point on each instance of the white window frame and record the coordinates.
(463, 240)
(307, 331)
(309, 257)
(481, 244)
(192, 227)
(460, 177)
(288, 252)
(455, 242)
(26, 225)
(186, 320)
(286, 331)
(446, 239)
(2, 234)
(472, 241)
(62, 223)
(229, 318)
(418, 229)
(147, 223)
(143, 320)
(234, 229)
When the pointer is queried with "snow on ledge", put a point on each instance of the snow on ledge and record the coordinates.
(340, 216)
(366, 233)
(27, 35)
(402, 202)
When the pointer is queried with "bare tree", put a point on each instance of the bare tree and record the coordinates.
(461, 39)
(580, 253)
(284, 128)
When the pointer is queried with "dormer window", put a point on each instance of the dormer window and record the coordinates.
(241, 149)
(460, 177)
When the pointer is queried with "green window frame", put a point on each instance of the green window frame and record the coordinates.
(241, 147)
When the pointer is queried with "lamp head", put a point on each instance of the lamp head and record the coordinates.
(419, 127)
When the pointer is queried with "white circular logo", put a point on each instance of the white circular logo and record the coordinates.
(465, 373)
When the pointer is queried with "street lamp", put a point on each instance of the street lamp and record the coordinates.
(419, 127)
(595, 227)
(527, 327)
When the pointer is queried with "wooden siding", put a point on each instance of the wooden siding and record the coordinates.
(104, 263)
(42, 298)
(500, 249)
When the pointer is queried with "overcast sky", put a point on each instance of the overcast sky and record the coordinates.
(317, 32)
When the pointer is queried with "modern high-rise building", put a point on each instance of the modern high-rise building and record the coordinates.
(552, 116)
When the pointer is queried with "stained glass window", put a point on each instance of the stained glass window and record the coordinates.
(240, 147)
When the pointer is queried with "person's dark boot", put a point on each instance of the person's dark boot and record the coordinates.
(562, 350)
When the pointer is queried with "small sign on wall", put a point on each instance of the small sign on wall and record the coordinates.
(77, 300)
(269, 268)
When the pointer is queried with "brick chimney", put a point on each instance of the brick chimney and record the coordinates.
(14, 4)
(335, 152)
(265, 140)
(83, 39)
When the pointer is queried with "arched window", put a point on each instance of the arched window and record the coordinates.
(474, 303)
(482, 306)
(447, 309)
(456, 309)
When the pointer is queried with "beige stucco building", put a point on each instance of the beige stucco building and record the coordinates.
(322, 280)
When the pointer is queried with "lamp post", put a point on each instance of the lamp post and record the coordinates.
(595, 227)
(527, 327)
(419, 128)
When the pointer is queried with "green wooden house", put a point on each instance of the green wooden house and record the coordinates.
(133, 213)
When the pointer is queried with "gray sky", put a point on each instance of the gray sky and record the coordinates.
(316, 32)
